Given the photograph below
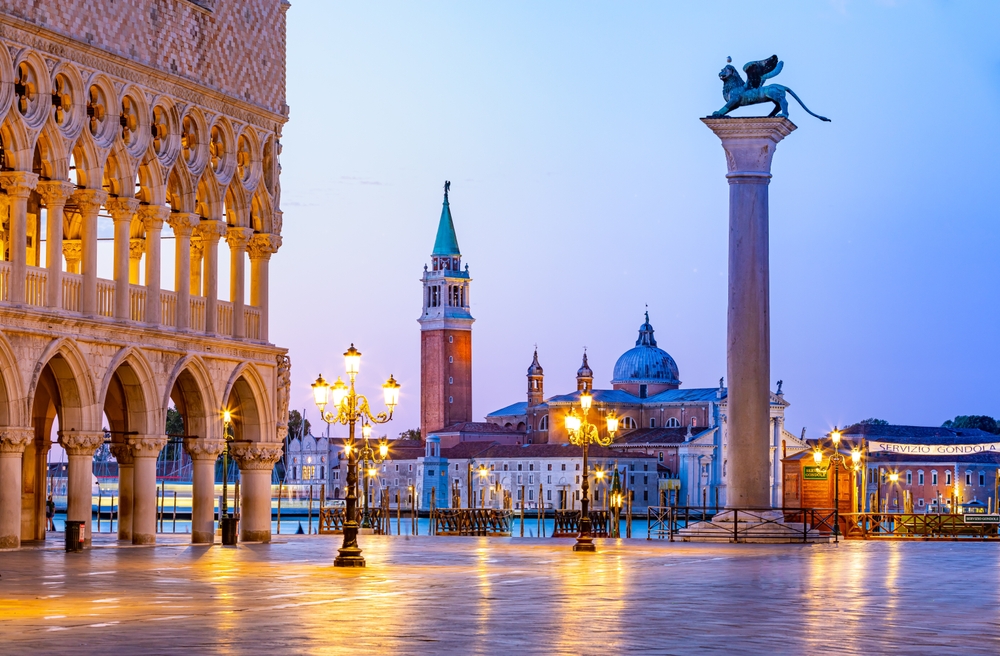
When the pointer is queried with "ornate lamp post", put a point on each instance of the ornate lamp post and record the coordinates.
(226, 521)
(599, 477)
(369, 458)
(838, 460)
(350, 408)
(483, 473)
(617, 500)
(582, 433)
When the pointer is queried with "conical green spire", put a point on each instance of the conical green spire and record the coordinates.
(446, 243)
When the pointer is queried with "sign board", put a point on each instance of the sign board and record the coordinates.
(670, 483)
(933, 449)
(815, 472)
(979, 518)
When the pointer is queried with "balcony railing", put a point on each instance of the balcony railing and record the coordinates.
(36, 285)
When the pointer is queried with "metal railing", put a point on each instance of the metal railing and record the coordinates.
(917, 526)
(472, 521)
(567, 524)
(331, 520)
(742, 524)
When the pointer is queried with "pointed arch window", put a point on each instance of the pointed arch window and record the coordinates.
(543, 423)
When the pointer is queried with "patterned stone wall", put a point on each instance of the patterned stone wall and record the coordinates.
(236, 47)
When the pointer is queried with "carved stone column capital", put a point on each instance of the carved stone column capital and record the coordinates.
(183, 223)
(81, 443)
(153, 216)
(121, 209)
(136, 247)
(122, 453)
(237, 238)
(749, 144)
(89, 199)
(55, 192)
(18, 184)
(14, 439)
(211, 231)
(202, 449)
(256, 455)
(146, 446)
(262, 246)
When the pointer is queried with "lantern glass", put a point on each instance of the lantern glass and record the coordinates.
(391, 392)
(586, 400)
(612, 424)
(338, 392)
(352, 361)
(835, 436)
(383, 449)
(818, 456)
(855, 456)
(366, 431)
(321, 392)
(572, 423)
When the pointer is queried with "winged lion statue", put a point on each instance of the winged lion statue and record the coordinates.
(741, 94)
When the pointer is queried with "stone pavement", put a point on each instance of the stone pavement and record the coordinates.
(500, 595)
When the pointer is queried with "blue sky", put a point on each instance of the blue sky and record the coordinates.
(584, 187)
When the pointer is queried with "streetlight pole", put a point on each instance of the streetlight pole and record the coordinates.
(351, 408)
(837, 460)
(582, 433)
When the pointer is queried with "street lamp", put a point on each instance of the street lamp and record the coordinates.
(227, 522)
(838, 460)
(483, 473)
(599, 476)
(369, 458)
(582, 433)
(617, 500)
(350, 408)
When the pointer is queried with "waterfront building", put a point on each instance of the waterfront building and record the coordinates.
(154, 127)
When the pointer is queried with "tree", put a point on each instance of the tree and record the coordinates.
(872, 421)
(175, 422)
(982, 422)
(295, 424)
(410, 434)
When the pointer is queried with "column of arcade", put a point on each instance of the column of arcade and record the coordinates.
(137, 233)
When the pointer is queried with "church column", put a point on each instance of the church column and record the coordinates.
(256, 461)
(204, 453)
(122, 211)
(210, 233)
(182, 224)
(80, 447)
(237, 238)
(55, 194)
(89, 202)
(145, 449)
(12, 443)
(18, 185)
(126, 496)
(152, 217)
(261, 248)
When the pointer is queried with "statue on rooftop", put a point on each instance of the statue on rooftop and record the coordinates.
(742, 94)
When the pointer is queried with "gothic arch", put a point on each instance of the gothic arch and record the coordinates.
(237, 207)
(72, 377)
(208, 198)
(6, 83)
(246, 398)
(152, 181)
(180, 191)
(18, 145)
(88, 162)
(12, 412)
(190, 387)
(260, 211)
(50, 159)
(138, 389)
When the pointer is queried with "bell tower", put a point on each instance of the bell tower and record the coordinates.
(445, 333)
(536, 382)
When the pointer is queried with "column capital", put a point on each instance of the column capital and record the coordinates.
(237, 238)
(13, 439)
(749, 143)
(18, 183)
(89, 199)
(122, 453)
(262, 246)
(81, 443)
(121, 208)
(146, 446)
(55, 192)
(136, 247)
(183, 223)
(72, 248)
(153, 216)
(201, 449)
(256, 455)
(211, 231)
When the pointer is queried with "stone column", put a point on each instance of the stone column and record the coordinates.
(12, 443)
(80, 447)
(152, 218)
(237, 238)
(145, 449)
(89, 202)
(204, 454)
(136, 249)
(182, 224)
(126, 494)
(54, 193)
(197, 261)
(72, 250)
(260, 249)
(210, 233)
(122, 212)
(256, 461)
(749, 144)
(18, 185)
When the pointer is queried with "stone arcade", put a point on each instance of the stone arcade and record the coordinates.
(162, 119)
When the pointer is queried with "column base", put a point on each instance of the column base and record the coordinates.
(255, 536)
(144, 538)
(203, 537)
(10, 541)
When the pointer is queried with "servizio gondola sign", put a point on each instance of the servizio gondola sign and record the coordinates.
(979, 518)
(933, 449)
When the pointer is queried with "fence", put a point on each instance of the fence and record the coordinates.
(742, 524)
(567, 524)
(920, 526)
(472, 521)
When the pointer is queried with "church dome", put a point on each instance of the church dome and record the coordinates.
(535, 369)
(585, 371)
(645, 363)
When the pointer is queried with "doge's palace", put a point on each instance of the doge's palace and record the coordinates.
(154, 126)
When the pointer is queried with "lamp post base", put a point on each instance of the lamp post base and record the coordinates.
(584, 543)
(349, 557)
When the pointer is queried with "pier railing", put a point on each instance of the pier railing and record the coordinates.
(921, 526)
(567, 524)
(472, 521)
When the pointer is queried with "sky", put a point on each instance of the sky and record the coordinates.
(584, 187)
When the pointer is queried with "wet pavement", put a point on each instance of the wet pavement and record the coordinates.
(500, 595)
